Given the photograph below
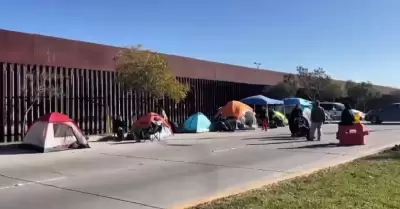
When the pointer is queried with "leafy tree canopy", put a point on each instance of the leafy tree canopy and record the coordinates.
(146, 71)
(280, 91)
(332, 90)
(361, 93)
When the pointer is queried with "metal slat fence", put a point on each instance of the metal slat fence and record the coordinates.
(91, 96)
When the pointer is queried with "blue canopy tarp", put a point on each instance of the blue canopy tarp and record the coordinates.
(261, 100)
(197, 123)
(296, 101)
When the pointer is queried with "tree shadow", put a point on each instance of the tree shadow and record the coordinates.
(15, 149)
(272, 143)
(387, 155)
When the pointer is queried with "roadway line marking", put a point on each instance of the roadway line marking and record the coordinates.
(32, 182)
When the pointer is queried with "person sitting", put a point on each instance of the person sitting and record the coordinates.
(347, 117)
(119, 126)
(296, 113)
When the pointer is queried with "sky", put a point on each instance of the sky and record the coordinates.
(350, 39)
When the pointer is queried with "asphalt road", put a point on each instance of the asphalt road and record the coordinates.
(164, 174)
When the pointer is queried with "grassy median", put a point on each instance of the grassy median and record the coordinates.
(369, 183)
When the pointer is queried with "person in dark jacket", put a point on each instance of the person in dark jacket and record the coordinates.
(347, 117)
(317, 119)
(119, 125)
(296, 112)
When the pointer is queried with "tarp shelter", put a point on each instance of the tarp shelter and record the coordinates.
(145, 122)
(197, 123)
(54, 132)
(261, 100)
(235, 109)
(295, 101)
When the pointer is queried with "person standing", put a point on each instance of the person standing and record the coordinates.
(264, 119)
(317, 119)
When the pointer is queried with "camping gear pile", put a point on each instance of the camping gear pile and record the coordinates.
(151, 126)
(235, 115)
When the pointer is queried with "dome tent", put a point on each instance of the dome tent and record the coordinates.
(197, 123)
(143, 127)
(54, 132)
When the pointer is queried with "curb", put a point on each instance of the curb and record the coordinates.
(258, 184)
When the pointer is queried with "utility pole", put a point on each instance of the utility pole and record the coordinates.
(257, 64)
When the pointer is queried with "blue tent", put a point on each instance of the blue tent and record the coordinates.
(197, 123)
(261, 100)
(295, 101)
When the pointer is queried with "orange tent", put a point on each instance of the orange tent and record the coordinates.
(235, 109)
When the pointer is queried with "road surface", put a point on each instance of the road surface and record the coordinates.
(168, 174)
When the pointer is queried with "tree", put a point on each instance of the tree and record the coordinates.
(42, 85)
(287, 88)
(280, 91)
(291, 80)
(361, 93)
(146, 71)
(313, 82)
(332, 91)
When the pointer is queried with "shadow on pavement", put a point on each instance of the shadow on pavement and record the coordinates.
(383, 124)
(125, 142)
(106, 139)
(268, 138)
(14, 149)
(179, 145)
(311, 146)
(387, 155)
(271, 143)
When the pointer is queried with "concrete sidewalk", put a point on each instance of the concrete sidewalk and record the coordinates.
(171, 174)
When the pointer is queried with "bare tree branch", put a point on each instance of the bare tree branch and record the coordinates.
(43, 85)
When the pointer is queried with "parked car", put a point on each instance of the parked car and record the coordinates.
(389, 113)
(335, 109)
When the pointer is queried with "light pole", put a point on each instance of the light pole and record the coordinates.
(257, 64)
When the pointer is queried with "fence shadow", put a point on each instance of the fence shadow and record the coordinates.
(108, 138)
(15, 149)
